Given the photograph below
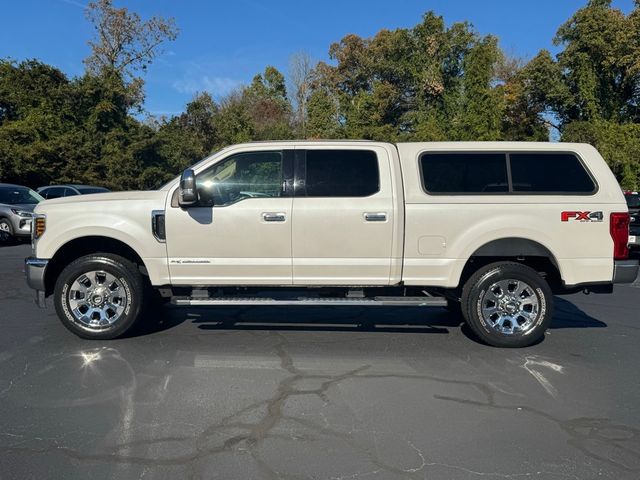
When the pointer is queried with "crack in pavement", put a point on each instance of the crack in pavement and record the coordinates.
(585, 434)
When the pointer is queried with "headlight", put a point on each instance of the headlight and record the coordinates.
(22, 213)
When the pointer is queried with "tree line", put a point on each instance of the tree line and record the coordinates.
(430, 82)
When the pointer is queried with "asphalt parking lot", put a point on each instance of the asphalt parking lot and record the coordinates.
(318, 393)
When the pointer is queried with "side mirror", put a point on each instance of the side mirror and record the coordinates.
(188, 194)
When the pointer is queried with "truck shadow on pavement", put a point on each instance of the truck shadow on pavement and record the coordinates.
(567, 315)
(410, 320)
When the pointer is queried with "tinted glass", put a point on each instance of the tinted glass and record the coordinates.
(342, 173)
(549, 172)
(18, 196)
(53, 192)
(239, 177)
(464, 172)
(69, 192)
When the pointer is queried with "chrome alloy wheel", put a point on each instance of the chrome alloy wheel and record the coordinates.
(510, 307)
(4, 226)
(97, 299)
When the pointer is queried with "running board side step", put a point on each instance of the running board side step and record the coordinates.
(374, 301)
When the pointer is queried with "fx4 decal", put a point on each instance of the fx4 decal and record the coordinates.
(582, 216)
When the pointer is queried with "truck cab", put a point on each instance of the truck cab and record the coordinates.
(293, 215)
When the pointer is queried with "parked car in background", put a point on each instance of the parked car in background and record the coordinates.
(59, 191)
(633, 202)
(16, 209)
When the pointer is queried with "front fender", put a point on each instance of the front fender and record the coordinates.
(127, 222)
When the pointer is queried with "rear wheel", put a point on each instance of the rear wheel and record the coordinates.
(99, 296)
(507, 304)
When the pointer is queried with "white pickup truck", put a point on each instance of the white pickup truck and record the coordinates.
(490, 230)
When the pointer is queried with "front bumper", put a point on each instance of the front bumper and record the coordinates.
(35, 269)
(625, 271)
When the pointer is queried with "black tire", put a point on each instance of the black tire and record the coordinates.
(6, 226)
(131, 282)
(476, 294)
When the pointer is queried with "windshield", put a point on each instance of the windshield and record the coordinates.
(19, 196)
(633, 200)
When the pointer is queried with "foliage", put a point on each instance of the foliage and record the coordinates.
(618, 143)
(592, 88)
(430, 82)
(300, 74)
(124, 42)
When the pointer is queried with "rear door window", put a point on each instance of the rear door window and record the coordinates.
(464, 173)
(341, 173)
(547, 172)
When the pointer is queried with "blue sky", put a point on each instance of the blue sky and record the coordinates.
(223, 44)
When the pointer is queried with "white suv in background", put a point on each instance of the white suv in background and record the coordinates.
(16, 210)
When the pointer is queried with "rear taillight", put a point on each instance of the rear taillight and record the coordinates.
(619, 228)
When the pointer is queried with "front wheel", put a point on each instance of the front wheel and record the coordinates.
(99, 296)
(507, 304)
(6, 229)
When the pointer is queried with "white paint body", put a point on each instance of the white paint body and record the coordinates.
(426, 239)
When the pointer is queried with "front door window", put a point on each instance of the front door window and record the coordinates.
(240, 177)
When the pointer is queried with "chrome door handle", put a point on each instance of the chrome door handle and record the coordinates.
(375, 217)
(273, 217)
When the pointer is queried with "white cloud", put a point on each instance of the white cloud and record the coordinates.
(74, 3)
(217, 86)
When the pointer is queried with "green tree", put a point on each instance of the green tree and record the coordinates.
(590, 91)
(267, 104)
(123, 42)
(301, 77)
(618, 143)
(482, 104)
(191, 135)
(428, 82)
(322, 113)
(601, 47)
(34, 121)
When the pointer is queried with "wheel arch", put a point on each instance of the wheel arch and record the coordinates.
(516, 249)
(87, 245)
